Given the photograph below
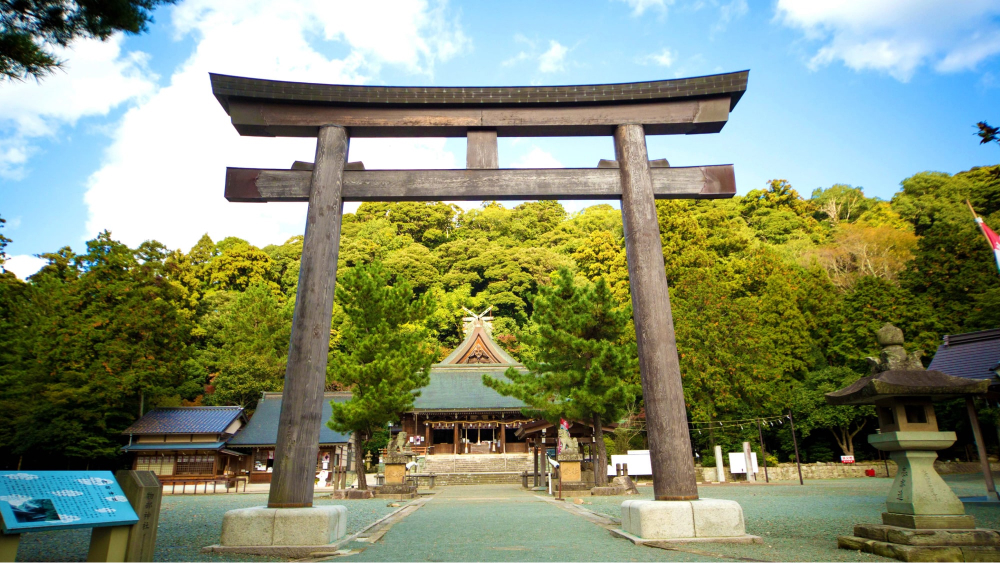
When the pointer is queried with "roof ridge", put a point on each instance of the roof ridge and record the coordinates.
(969, 337)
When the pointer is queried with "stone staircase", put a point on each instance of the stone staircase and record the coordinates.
(477, 469)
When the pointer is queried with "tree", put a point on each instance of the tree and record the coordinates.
(383, 355)
(586, 367)
(249, 350)
(30, 28)
(813, 412)
(110, 340)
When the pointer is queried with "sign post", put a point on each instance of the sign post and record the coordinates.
(62, 500)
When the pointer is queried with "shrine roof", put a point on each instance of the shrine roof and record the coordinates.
(227, 87)
(185, 420)
(460, 387)
(262, 430)
(973, 355)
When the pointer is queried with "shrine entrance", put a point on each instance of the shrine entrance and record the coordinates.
(625, 112)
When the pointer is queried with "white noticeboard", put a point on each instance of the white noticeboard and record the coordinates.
(638, 463)
(738, 463)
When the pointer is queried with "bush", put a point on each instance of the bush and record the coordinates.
(708, 461)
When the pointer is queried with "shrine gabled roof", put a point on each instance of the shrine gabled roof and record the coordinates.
(227, 87)
(185, 420)
(973, 355)
(461, 388)
(262, 430)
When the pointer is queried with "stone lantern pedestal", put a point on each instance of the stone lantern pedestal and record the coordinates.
(924, 520)
(395, 486)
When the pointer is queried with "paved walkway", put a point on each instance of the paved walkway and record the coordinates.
(503, 523)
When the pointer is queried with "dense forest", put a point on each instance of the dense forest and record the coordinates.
(776, 299)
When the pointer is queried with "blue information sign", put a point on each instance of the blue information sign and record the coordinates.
(59, 500)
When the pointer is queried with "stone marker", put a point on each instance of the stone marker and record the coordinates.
(720, 468)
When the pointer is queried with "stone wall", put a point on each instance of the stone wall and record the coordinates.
(833, 470)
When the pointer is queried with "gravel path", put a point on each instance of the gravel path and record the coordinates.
(504, 523)
(187, 524)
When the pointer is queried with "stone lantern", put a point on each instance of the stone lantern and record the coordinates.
(923, 517)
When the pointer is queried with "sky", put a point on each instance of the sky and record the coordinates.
(128, 137)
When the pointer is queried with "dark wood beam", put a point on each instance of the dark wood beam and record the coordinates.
(481, 151)
(662, 391)
(274, 119)
(696, 182)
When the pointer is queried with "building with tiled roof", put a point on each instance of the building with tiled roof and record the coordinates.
(259, 437)
(185, 441)
(974, 355)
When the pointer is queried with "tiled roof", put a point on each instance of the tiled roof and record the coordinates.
(225, 87)
(262, 430)
(185, 420)
(461, 388)
(171, 446)
(973, 355)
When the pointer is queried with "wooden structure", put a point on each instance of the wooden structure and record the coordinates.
(333, 113)
(259, 441)
(456, 413)
(186, 443)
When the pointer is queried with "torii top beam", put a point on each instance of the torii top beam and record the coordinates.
(272, 108)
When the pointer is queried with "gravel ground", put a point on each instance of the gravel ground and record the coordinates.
(503, 523)
(801, 523)
(187, 524)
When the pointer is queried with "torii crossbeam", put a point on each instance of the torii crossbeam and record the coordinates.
(333, 113)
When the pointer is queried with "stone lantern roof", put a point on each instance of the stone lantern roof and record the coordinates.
(898, 374)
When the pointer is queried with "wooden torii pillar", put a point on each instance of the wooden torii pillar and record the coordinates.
(333, 113)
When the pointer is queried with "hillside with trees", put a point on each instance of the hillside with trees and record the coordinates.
(776, 298)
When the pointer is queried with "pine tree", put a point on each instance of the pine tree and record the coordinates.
(383, 355)
(585, 367)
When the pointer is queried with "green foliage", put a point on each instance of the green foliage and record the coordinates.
(383, 355)
(813, 412)
(249, 350)
(585, 367)
(106, 332)
(29, 28)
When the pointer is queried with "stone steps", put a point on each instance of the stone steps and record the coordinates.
(480, 478)
(476, 463)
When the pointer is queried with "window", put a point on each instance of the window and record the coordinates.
(916, 414)
(160, 464)
(188, 464)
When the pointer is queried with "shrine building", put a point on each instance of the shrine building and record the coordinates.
(456, 414)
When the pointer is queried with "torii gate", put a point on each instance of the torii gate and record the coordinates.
(333, 113)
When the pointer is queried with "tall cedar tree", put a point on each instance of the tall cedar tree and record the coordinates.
(383, 356)
(586, 367)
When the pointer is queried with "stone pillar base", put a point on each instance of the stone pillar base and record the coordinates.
(930, 521)
(702, 519)
(907, 544)
(395, 491)
(262, 526)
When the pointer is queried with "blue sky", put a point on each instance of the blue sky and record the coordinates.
(130, 139)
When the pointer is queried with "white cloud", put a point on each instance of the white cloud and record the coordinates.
(640, 6)
(97, 78)
(554, 59)
(24, 265)
(665, 57)
(729, 12)
(537, 158)
(163, 175)
(898, 36)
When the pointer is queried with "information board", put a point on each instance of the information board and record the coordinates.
(58, 500)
